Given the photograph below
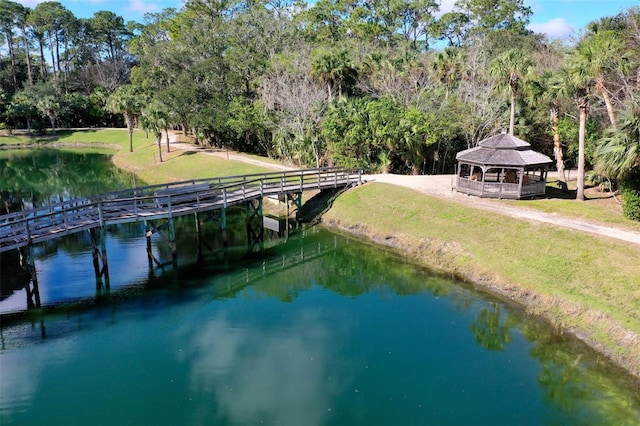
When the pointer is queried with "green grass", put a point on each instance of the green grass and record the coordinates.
(103, 136)
(178, 164)
(144, 160)
(593, 209)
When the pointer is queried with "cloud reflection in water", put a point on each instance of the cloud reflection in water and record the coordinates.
(279, 375)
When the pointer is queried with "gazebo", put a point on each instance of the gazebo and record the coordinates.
(502, 166)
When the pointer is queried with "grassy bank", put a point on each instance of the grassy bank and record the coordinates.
(144, 160)
(581, 283)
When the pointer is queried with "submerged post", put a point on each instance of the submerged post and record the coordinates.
(99, 251)
(172, 243)
(200, 257)
(255, 225)
(27, 261)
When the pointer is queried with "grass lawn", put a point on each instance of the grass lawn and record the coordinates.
(599, 207)
(144, 160)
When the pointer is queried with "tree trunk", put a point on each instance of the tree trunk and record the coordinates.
(166, 132)
(607, 101)
(28, 53)
(128, 118)
(159, 142)
(12, 55)
(512, 116)
(53, 56)
(58, 54)
(52, 119)
(43, 62)
(581, 135)
(557, 149)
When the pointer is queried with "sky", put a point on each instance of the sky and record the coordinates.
(557, 18)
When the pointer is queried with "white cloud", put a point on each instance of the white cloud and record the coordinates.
(445, 6)
(142, 7)
(30, 3)
(557, 28)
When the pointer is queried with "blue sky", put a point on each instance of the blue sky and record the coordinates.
(557, 18)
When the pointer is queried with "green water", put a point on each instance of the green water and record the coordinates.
(319, 330)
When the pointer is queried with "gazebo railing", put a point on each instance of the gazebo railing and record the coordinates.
(499, 189)
(534, 188)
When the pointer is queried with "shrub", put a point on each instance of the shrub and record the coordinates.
(630, 190)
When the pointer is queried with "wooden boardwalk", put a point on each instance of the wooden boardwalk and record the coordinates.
(160, 202)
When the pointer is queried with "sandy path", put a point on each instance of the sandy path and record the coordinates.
(441, 186)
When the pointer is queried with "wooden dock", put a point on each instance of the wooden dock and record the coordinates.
(165, 201)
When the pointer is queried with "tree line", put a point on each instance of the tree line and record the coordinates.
(381, 85)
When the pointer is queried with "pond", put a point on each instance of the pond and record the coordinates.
(319, 329)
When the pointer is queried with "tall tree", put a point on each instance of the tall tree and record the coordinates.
(548, 90)
(578, 82)
(333, 68)
(47, 96)
(50, 19)
(109, 33)
(22, 22)
(9, 15)
(602, 54)
(484, 18)
(154, 119)
(126, 100)
(508, 69)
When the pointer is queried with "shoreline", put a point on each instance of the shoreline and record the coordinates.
(548, 308)
(454, 254)
(440, 255)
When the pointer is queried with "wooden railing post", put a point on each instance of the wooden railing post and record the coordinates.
(100, 215)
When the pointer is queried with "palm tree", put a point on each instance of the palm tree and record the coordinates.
(578, 82)
(618, 154)
(508, 69)
(126, 100)
(447, 66)
(618, 157)
(602, 52)
(154, 119)
(333, 68)
(548, 90)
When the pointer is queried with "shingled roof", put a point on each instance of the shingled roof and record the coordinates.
(503, 150)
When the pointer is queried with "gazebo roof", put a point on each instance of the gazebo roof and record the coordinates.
(503, 150)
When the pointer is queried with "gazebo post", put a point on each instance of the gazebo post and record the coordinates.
(520, 182)
(484, 175)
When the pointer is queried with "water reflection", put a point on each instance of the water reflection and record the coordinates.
(491, 330)
(322, 340)
(34, 178)
(263, 376)
(320, 330)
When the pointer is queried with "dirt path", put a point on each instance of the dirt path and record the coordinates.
(229, 155)
(442, 186)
